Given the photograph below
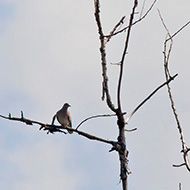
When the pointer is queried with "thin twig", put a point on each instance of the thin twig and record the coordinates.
(175, 165)
(124, 53)
(92, 117)
(131, 130)
(22, 119)
(115, 64)
(114, 29)
(166, 54)
(143, 102)
(142, 9)
(125, 28)
(178, 31)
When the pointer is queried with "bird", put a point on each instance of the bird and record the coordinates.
(64, 118)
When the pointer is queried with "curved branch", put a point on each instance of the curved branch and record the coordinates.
(178, 165)
(131, 130)
(92, 117)
(185, 156)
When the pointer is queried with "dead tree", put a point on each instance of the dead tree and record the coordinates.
(119, 145)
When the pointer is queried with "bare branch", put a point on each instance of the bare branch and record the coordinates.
(124, 53)
(178, 31)
(131, 130)
(92, 117)
(146, 99)
(92, 137)
(114, 29)
(166, 53)
(56, 128)
(180, 186)
(141, 18)
(142, 8)
(105, 90)
(53, 119)
(175, 165)
(115, 64)
(22, 119)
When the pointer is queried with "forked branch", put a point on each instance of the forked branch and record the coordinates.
(140, 19)
(115, 28)
(167, 52)
(105, 89)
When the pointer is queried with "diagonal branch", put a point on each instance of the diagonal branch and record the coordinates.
(179, 31)
(142, 8)
(148, 97)
(114, 29)
(141, 18)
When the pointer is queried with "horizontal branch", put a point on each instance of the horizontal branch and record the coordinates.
(178, 165)
(56, 128)
(22, 119)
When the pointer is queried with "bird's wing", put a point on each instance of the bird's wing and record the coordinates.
(69, 119)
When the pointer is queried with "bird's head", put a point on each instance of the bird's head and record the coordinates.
(66, 105)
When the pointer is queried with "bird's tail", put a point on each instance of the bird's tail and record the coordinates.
(69, 131)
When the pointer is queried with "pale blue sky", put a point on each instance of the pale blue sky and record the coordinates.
(49, 54)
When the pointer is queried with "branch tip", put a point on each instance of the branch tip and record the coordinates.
(22, 115)
(131, 130)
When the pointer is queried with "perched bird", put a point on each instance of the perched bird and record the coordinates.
(63, 117)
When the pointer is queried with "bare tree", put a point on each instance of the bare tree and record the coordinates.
(119, 145)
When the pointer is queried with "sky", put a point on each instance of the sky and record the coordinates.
(49, 55)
